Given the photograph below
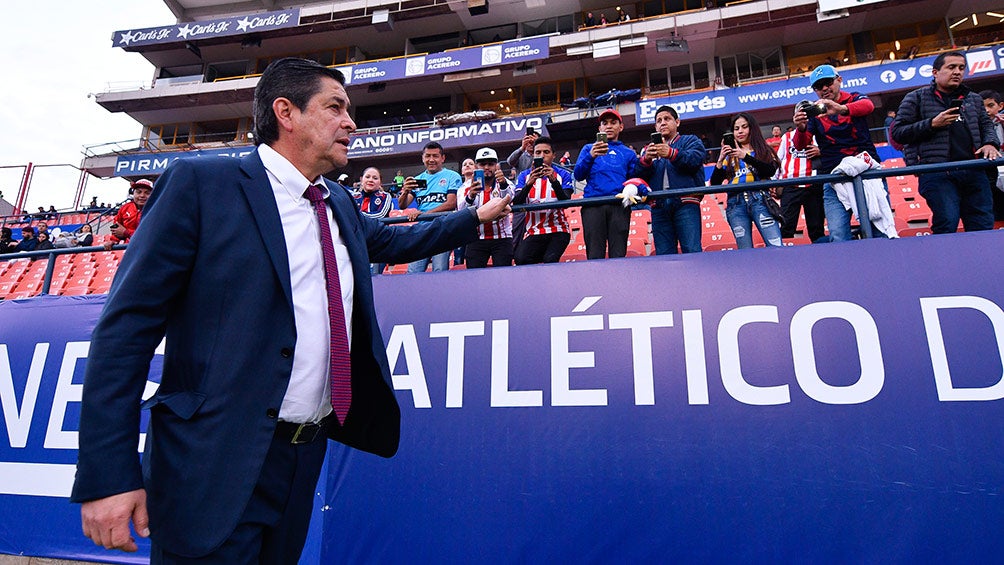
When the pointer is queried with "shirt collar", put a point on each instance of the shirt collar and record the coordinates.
(292, 181)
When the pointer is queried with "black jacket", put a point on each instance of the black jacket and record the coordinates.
(925, 144)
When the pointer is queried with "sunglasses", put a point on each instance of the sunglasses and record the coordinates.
(822, 83)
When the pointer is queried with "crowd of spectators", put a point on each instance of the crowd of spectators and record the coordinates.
(938, 123)
(36, 235)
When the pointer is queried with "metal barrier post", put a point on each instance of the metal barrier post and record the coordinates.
(50, 267)
(863, 216)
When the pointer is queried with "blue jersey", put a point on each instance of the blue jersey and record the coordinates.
(438, 187)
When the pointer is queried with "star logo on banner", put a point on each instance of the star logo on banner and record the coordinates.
(185, 31)
(242, 25)
(127, 38)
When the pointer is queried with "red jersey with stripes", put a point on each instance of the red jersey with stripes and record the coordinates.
(539, 222)
(490, 230)
(794, 163)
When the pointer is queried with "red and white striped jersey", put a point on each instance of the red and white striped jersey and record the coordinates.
(499, 229)
(794, 163)
(539, 222)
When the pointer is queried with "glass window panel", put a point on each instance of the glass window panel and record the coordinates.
(679, 77)
(658, 79)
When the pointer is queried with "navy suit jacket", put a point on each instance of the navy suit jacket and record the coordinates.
(209, 270)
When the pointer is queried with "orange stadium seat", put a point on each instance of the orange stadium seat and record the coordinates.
(722, 246)
(101, 283)
(643, 216)
(27, 287)
(636, 247)
(709, 239)
(913, 210)
(791, 241)
(6, 288)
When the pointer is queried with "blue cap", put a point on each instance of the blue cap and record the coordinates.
(821, 72)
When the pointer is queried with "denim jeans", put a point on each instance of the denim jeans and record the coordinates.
(675, 222)
(954, 195)
(377, 268)
(440, 262)
(742, 210)
(838, 218)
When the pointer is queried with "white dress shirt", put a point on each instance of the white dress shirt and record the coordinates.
(308, 397)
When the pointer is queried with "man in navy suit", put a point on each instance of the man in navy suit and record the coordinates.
(229, 266)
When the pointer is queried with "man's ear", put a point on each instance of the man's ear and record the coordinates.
(284, 110)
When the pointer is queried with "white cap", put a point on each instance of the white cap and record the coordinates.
(486, 154)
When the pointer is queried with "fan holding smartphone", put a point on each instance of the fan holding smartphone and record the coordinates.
(494, 238)
(672, 161)
(945, 122)
(605, 165)
(547, 231)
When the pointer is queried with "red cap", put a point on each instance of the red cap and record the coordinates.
(144, 183)
(611, 112)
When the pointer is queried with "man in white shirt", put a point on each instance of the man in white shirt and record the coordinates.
(263, 340)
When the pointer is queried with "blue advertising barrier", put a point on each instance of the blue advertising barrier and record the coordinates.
(821, 403)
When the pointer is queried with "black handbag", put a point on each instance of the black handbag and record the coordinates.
(773, 207)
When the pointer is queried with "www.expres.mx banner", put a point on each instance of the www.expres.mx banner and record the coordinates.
(894, 75)
(835, 403)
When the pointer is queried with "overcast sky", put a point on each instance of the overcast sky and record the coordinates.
(54, 53)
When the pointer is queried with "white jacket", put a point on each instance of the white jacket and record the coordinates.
(876, 196)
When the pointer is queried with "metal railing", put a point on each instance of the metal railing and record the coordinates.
(866, 228)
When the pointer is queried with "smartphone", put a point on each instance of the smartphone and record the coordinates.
(656, 137)
(601, 136)
(538, 162)
(531, 131)
(729, 139)
(479, 176)
(955, 104)
(421, 183)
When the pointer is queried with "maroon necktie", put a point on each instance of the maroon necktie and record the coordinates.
(341, 365)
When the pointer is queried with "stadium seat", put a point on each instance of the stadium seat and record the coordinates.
(913, 232)
(722, 246)
(716, 226)
(709, 239)
(74, 290)
(6, 288)
(27, 287)
(893, 162)
(791, 241)
(636, 247)
(101, 283)
(643, 216)
(572, 255)
(913, 210)
(19, 294)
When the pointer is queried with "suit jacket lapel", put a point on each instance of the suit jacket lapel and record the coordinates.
(258, 191)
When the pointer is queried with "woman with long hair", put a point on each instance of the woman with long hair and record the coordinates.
(374, 202)
(749, 160)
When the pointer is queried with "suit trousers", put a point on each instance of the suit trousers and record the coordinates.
(273, 527)
(605, 230)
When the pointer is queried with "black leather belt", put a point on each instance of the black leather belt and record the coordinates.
(297, 434)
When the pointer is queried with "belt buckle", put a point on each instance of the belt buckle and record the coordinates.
(305, 433)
